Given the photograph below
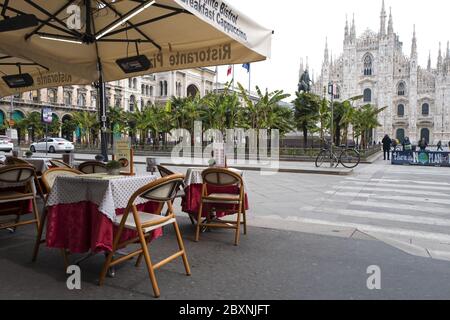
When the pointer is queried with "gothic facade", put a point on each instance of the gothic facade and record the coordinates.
(374, 66)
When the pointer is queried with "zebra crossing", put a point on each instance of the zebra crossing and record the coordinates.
(413, 210)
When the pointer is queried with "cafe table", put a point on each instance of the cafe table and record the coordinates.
(193, 194)
(40, 164)
(82, 210)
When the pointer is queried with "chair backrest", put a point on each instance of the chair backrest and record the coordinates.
(20, 174)
(11, 161)
(49, 176)
(59, 164)
(221, 177)
(92, 167)
(164, 172)
(162, 190)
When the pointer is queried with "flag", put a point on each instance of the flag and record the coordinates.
(246, 66)
(230, 69)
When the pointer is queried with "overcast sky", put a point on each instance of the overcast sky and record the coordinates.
(302, 26)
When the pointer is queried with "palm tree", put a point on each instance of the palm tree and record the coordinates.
(87, 123)
(365, 120)
(348, 115)
(117, 121)
(306, 113)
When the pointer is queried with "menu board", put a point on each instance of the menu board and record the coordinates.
(124, 154)
(219, 154)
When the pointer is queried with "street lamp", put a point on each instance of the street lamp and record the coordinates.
(332, 92)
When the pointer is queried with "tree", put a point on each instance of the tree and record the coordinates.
(88, 125)
(365, 120)
(306, 114)
(348, 114)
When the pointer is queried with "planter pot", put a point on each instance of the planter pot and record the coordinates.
(114, 172)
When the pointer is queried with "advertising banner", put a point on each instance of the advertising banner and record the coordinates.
(430, 159)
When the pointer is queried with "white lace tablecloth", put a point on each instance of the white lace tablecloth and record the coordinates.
(194, 175)
(108, 194)
(40, 164)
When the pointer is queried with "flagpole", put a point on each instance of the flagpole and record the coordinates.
(233, 79)
(217, 79)
(249, 80)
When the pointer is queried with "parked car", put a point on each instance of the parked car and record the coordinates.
(53, 145)
(6, 144)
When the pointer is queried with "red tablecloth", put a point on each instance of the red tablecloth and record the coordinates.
(191, 202)
(81, 227)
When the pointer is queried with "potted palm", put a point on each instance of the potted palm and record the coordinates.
(28, 154)
(113, 167)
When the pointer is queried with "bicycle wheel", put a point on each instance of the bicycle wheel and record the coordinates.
(322, 158)
(350, 158)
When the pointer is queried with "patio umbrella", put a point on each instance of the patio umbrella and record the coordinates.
(106, 40)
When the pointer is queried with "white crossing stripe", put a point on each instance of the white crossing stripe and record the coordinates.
(439, 237)
(393, 185)
(398, 198)
(400, 206)
(399, 190)
(405, 181)
(387, 216)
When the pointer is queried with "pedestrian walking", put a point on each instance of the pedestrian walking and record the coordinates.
(423, 145)
(439, 146)
(387, 142)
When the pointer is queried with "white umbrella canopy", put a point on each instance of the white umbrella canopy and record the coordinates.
(40, 75)
(167, 34)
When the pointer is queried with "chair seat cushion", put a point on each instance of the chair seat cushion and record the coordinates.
(222, 198)
(145, 218)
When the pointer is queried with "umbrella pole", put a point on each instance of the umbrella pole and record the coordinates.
(102, 112)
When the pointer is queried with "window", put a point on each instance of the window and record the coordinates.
(367, 95)
(93, 99)
(81, 100)
(52, 95)
(132, 103)
(401, 89)
(401, 110)
(68, 98)
(130, 83)
(368, 65)
(151, 91)
(36, 96)
(165, 88)
(192, 91)
(142, 89)
(425, 109)
(161, 86)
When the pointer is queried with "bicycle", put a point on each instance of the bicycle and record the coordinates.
(348, 157)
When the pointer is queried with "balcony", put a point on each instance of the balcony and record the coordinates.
(40, 104)
(401, 120)
(425, 120)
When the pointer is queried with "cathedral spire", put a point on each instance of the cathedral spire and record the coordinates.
(391, 23)
(346, 28)
(429, 62)
(353, 31)
(448, 50)
(414, 44)
(326, 57)
(383, 17)
(439, 62)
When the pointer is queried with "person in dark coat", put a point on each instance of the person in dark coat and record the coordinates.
(387, 142)
(439, 146)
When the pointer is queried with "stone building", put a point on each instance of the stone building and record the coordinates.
(374, 65)
(127, 94)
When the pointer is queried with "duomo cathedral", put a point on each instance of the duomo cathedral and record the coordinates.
(373, 65)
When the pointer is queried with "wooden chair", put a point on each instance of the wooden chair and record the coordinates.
(162, 191)
(90, 167)
(218, 177)
(59, 164)
(48, 180)
(11, 161)
(164, 172)
(18, 175)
